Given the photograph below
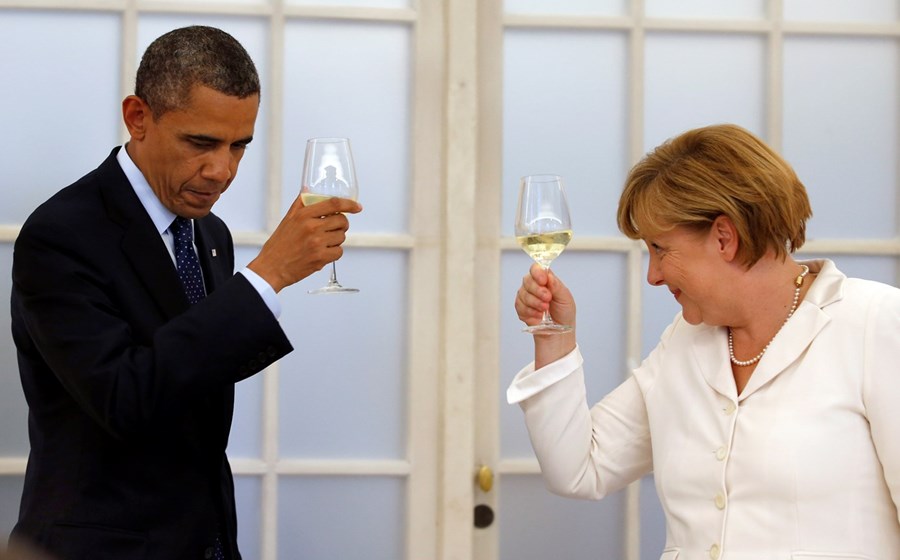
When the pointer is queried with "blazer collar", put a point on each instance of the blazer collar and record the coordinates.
(212, 260)
(711, 350)
(141, 243)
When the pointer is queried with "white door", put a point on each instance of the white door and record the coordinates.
(584, 89)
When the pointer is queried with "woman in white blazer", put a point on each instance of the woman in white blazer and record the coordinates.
(769, 412)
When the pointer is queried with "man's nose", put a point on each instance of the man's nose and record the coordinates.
(218, 167)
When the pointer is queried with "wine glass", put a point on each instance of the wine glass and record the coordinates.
(543, 229)
(328, 172)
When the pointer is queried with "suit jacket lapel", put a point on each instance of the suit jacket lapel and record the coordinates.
(141, 243)
(711, 352)
(787, 346)
(801, 329)
(711, 357)
(213, 259)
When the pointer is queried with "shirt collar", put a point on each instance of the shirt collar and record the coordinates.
(829, 284)
(162, 217)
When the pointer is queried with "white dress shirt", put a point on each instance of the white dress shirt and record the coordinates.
(804, 464)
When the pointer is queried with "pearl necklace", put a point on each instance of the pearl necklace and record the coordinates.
(798, 283)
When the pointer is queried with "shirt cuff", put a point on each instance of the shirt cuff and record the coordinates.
(529, 382)
(265, 291)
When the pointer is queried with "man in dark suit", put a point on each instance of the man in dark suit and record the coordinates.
(130, 385)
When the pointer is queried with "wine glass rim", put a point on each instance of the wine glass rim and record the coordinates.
(327, 139)
(541, 177)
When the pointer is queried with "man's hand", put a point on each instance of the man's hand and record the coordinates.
(307, 239)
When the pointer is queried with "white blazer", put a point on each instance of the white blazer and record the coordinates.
(803, 465)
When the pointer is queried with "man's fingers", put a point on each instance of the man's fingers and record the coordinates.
(334, 205)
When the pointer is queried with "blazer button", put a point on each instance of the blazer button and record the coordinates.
(720, 501)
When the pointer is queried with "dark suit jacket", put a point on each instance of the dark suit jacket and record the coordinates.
(130, 390)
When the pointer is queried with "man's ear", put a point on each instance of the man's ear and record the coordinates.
(136, 114)
(724, 233)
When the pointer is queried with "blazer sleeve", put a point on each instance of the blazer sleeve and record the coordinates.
(882, 385)
(586, 452)
(125, 362)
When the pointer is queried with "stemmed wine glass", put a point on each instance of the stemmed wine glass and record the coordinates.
(328, 172)
(543, 229)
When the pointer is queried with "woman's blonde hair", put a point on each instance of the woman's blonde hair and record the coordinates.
(704, 173)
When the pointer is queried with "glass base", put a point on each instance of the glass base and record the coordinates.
(548, 328)
(333, 289)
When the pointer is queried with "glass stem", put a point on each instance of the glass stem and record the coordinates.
(546, 319)
(333, 274)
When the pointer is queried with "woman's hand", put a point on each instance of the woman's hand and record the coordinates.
(541, 291)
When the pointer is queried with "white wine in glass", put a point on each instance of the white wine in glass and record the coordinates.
(328, 172)
(543, 229)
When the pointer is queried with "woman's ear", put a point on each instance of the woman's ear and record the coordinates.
(725, 235)
(136, 113)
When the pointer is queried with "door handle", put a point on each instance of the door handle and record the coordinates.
(484, 514)
(485, 477)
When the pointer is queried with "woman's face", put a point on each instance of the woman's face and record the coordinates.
(688, 262)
